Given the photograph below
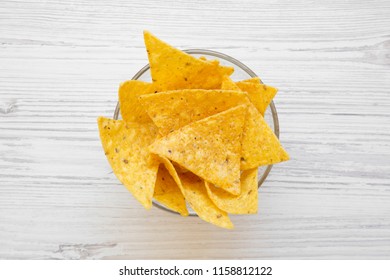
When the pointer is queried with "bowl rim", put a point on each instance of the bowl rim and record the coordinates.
(241, 65)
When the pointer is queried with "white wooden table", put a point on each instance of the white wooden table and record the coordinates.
(60, 66)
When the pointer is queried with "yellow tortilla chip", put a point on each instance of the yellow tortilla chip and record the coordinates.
(251, 138)
(130, 108)
(125, 145)
(210, 148)
(180, 169)
(245, 202)
(195, 194)
(174, 69)
(261, 95)
(174, 109)
(228, 84)
(168, 193)
(260, 146)
(254, 80)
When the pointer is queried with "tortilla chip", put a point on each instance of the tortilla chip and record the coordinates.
(228, 84)
(180, 169)
(125, 145)
(168, 193)
(255, 138)
(261, 95)
(174, 109)
(195, 194)
(254, 80)
(245, 202)
(260, 146)
(210, 148)
(130, 108)
(174, 69)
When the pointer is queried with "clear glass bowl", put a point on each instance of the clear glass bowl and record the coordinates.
(241, 72)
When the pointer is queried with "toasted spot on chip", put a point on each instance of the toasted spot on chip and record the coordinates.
(260, 95)
(260, 146)
(131, 162)
(195, 193)
(130, 108)
(174, 69)
(202, 147)
(245, 202)
(168, 193)
(174, 109)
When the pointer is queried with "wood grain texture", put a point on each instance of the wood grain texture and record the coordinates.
(60, 66)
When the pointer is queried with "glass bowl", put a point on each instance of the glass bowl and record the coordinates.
(241, 72)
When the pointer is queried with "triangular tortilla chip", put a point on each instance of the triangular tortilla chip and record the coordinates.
(126, 148)
(195, 194)
(260, 146)
(261, 95)
(174, 69)
(174, 109)
(245, 203)
(228, 84)
(130, 108)
(255, 139)
(168, 193)
(210, 148)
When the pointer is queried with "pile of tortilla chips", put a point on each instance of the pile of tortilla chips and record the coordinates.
(191, 137)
